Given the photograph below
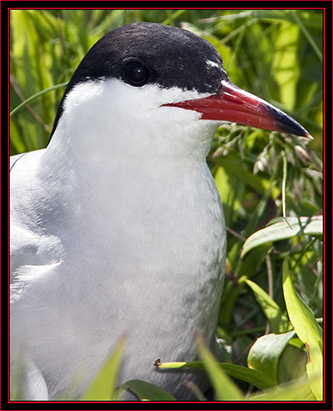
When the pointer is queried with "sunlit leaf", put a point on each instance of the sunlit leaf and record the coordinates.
(104, 384)
(283, 230)
(225, 389)
(286, 65)
(252, 376)
(277, 318)
(296, 390)
(307, 330)
(265, 353)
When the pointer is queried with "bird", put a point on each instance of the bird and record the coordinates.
(116, 227)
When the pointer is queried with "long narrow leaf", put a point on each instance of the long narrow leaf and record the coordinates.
(307, 330)
(252, 376)
(225, 389)
(104, 384)
(297, 390)
(277, 319)
(282, 230)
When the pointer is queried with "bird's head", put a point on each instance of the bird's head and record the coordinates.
(157, 89)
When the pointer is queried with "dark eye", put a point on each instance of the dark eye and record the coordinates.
(136, 73)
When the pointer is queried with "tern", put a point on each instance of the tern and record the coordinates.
(117, 226)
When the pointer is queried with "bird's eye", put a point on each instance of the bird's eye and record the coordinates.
(136, 73)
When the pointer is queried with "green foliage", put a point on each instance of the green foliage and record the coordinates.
(145, 391)
(278, 320)
(103, 386)
(292, 227)
(265, 353)
(225, 389)
(252, 376)
(261, 177)
(308, 331)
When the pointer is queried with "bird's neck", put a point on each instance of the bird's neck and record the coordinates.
(106, 161)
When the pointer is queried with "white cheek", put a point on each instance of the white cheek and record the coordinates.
(120, 119)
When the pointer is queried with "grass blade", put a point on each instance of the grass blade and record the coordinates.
(252, 376)
(308, 331)
(277, 319)
(225, 389)
(104, 384)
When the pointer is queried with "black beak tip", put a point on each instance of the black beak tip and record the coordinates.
(295, 129)
(287, 124)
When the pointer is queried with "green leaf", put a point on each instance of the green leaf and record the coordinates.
(225, 389)
(146, 391)
(254, 377)
(283, 230)
(36, 95)
(277, 319)
(231, 191)
(265, 353)
(234, 168)
(104, 384)
(297, 390)
(181, 364)
(250, 375)
(286, 63)
(307, 329)
(292, 363)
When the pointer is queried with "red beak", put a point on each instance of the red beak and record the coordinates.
(236, 105)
